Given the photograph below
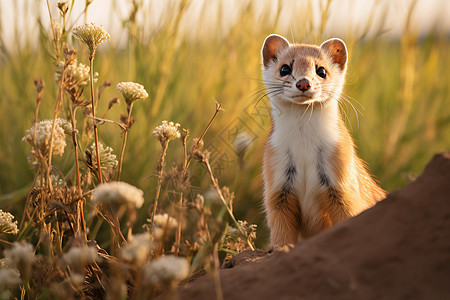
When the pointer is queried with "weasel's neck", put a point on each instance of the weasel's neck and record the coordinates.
(319, 124)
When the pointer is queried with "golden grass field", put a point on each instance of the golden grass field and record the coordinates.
(398, 86)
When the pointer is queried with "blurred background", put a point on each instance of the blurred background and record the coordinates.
(188, 54)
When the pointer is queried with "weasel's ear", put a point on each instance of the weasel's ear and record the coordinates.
(337, 51)
(272, 46)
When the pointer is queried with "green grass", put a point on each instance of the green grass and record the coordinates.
(184, 77)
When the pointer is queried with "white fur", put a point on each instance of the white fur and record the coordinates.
(302, 134)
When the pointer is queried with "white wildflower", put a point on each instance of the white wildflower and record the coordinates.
(132, 91)
(81, 256)
(164, 220)
(55, 180)
(162, 224)
(9, 278)
(211, 196)
(7, 225)
(20, 253)
(76, 73)
(138, 249)
(76, 279)
(166, 270)
(117, 290)
(43, 134)
(242, 143)
(21, 257)
(118, 193)
(108, 160)
(78, 258)
(167, 131)
(92, 35)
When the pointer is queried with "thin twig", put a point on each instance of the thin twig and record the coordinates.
(58, 101)
(180, 203)
(183, 176)
(218, 108)
(123, 127)
(55, 45)
(164, 146)
(178, 235)
(186, 162)
(215, 183)
(91, 74)
(124, 143)
(77, 169)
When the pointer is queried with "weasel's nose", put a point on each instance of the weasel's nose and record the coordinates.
(303, 85)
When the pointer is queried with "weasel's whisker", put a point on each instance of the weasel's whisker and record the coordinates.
(273, 92)
(354, 109)
(305, 110)
(346, 116)
(312, 109)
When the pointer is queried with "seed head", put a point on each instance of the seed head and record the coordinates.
(118, 193)
(162, 223)
(7, 225)
(164, 220)
(166, 270)
(9, 278)
(80, 257)
(211, 196)
(92, 35)
(132, 91)
(77, 279)
(138, 249)
(20, 257)
(43, 134)
(167, 131)
(18, 254)
(108, 160)
(55, 180)
(76, 73)
(63, 7)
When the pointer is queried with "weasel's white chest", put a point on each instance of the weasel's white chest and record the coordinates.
(302, 147)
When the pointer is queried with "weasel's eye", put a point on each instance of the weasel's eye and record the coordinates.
(285, 70)
(321, 72)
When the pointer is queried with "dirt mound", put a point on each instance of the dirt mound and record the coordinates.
(399, 249)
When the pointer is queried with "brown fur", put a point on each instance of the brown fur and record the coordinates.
(285, 221)
(285, 217)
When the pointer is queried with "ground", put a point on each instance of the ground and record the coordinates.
(399, 249)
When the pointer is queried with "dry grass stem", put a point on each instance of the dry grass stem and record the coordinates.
(91, 65)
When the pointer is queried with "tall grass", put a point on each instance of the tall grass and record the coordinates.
(399, 85)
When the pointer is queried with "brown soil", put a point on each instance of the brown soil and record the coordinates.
(399, 249)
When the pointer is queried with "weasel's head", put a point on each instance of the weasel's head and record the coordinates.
(303, 74)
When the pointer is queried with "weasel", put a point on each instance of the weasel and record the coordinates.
(313, 177)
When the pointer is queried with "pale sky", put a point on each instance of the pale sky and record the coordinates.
(345, 15)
